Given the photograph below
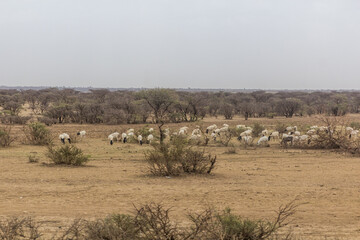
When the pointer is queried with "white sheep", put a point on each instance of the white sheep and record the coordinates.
(211, 128)
(246, 133)
(263, 140)
(151, 130)
(213, 135)
(297, 133)
(131, 130)
(150, 138)
(184, 129)
(246, 139)
(196, 131)
(311, 132)
(240, 126)
(112, 137)
(140, 139)
(275, 135)
(81, 133)
(124, 137)
(63, 137)
(182, 132)
(349, 129)
(354, 134)
(264, 132)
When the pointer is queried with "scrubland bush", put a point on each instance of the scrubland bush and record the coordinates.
(67, 154)
(19, 228)
(37, 134)
(47, 121)
(153, 221)
(176, 157)
(355, 125)
(14, 119)
(33, 158)
(5, 136)
(257, 129)
(280, 127)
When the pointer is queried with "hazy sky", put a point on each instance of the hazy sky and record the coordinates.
(267, 44)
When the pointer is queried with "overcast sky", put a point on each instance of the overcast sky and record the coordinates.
(268, 44)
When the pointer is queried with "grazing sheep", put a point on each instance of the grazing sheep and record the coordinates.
(81, 133)
(150, 138)
(264, 132)
(140, 139)
(130, 134)
(263, 140)
(349, 130)
(63, 137)
(287, 138)
(196, 131)
(311, 132)
(151, 130)
(246, 133)
(226, 125)
(213, 135)
(240, 126)
(124, 137)
(184, 129)
(354, 134)
(275, 135)
(297, 133)
(246, 139)
(131, 130)
(112, 137)
(211, 128)
(182, 132)
(291, 129)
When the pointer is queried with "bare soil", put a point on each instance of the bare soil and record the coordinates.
(253, 182)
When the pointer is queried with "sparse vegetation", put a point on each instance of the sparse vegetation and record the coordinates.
(67, 154)
(33, 157)
(37, 134)
(5, 136)
(176, 157)
(153, 221)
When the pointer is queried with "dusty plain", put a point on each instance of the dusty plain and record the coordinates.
(254, 182)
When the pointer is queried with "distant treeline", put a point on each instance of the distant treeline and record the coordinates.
(115, 107)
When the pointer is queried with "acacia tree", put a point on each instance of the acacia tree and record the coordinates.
(160, 102)
(288, 107)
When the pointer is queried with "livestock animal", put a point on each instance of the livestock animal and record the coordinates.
(81, 133)
(63, 137)
(140, 139)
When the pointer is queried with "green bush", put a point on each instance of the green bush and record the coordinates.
(37, 134)
(5, 137)
(355, 125)
(68, 155)
(257, 129)
(176, 157)
(153, 221)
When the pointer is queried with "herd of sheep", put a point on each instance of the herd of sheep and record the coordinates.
(291, 135)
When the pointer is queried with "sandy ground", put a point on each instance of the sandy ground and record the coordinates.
(253, 182)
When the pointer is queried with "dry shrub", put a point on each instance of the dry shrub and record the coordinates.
(67, 154)
(176, 157)
(5, 136)
(153, 221)
(33, 158)
(257, 128)
(116, 226)
(37, 134)
(14, 119)
(19, 228)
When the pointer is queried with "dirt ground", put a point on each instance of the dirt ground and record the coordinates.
(252, 182)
